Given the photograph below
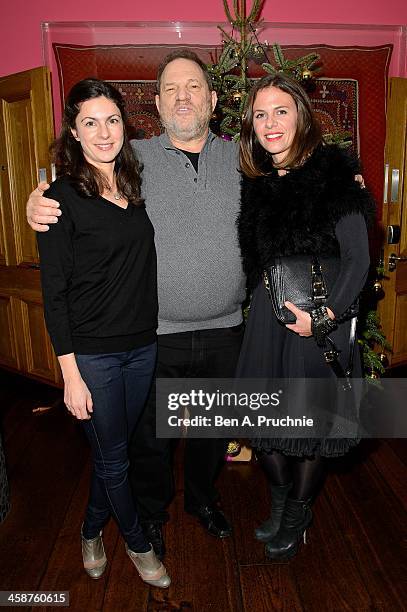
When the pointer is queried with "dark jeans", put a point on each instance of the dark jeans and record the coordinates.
(209, 353)
(119, 384)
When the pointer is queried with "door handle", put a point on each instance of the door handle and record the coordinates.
(393, 259)
(386, 182)
(394, 188)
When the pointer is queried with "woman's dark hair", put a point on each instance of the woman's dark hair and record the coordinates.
(254, 160)
(68, 154)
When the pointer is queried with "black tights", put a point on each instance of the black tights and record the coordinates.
(306, 473)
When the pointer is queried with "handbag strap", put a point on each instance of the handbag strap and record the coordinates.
(319, 295)
(331, 357)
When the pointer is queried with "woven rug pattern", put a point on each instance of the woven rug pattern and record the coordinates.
(351, 95)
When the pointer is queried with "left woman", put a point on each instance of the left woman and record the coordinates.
(98, 273)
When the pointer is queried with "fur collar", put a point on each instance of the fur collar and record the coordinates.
(297, 213)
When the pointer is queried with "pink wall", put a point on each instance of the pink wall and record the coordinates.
(20, 40)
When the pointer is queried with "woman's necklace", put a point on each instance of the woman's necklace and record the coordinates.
(116, 195)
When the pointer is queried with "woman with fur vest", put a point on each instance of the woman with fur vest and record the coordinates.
(299, 196)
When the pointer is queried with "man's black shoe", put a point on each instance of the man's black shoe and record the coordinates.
(213, 519)
(154, 535)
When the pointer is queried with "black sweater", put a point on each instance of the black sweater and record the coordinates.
(98, 274)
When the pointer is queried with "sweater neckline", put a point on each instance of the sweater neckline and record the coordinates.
(107, 202)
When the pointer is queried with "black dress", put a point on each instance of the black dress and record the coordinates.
(269, 349)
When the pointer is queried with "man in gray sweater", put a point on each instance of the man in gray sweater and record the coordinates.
(191, 188)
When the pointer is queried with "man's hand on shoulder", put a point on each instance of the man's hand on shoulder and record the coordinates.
(41, 211)
(359, 179)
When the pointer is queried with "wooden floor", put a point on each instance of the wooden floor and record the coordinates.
(353, 559)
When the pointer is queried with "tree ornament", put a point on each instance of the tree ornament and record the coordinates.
(306, 74)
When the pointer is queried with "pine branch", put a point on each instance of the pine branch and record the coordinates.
(269, 68)
(254, 13)
(231, 113)
(341, 138)
(278, 55)
(308, 59)
(227, 11)
(233, 78)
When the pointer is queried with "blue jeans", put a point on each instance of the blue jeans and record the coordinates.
(119, 384)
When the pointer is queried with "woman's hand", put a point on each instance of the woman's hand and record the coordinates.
(77, 396)
(302, 326)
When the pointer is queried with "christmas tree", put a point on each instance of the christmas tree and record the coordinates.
(232, 84)
(230, 72)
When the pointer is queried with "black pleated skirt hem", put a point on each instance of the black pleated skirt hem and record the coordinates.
(270, 350)
(306, 447)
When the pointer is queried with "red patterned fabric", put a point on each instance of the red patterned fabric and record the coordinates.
(366, 65)
(369, 66)
(141, 109)
(334, 100)
(336, 103)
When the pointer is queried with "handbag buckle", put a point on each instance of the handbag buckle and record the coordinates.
(331, 356)
(319, 291)
(318, 288)
(266, 280)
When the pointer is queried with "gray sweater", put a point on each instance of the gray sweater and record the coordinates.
(200, 279)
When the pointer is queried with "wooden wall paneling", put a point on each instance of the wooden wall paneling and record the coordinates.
(34, 340)
(26, 130)
(392, 308)
(400, 339)
(18, 122)
(8, 348)
(41, 363)
(3, 254)
(7, 246)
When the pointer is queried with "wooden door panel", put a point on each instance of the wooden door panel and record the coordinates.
(400, 339)
(36, 345)
(393, 307)
(8, 348)
(26, 131)
(22, 173)
(7, 245)
(2, 233)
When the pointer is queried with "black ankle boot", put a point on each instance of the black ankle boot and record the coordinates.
(296, 518)
(267, 530)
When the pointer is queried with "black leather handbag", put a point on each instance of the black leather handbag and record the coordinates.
(304, 280)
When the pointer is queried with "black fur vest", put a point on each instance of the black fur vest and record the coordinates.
(297, 213)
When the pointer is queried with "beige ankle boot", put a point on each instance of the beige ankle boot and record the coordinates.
(150, 569)
(93, 555)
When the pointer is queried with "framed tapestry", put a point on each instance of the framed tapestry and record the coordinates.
(351, 95)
